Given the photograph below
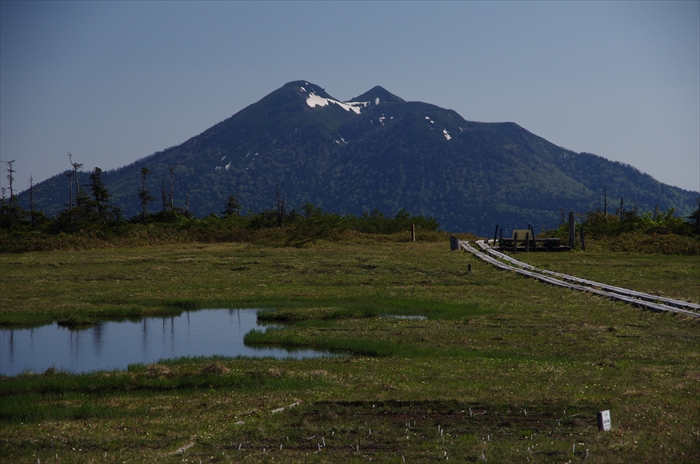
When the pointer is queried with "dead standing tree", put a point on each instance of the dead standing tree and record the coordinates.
(171, 198)
(69, 175)
(11, 178)
(162, 193)
(76, 166)
(280, 207)
(32, 212)
(144, 194)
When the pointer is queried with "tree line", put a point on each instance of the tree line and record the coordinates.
(632, 230)
(600, 224)
(88, 211)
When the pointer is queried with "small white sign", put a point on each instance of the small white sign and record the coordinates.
(604, 422)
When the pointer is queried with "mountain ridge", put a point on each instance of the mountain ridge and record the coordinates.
(379, 151)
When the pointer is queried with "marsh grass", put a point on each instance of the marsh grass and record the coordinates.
(670, 276)
(353, 309)
(502, 367)
(137, 235)
(350, 345)
(643, 243)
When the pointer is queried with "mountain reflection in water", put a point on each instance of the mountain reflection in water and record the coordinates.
(110, 345)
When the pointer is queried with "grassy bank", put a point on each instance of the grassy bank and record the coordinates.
(503, 368)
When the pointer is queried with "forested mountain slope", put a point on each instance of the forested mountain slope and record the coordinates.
(377, 151)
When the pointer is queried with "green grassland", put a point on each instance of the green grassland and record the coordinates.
(503, 369)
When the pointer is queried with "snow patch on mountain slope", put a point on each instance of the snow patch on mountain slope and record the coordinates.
(447, 134)
(227, 167)
(314, 100)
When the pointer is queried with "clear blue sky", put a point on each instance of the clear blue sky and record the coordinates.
(113, 82)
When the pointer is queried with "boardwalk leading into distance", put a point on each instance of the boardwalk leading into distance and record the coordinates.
(639, 299)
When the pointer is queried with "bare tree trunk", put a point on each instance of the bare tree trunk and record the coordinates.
(605, 202)
(238, 199)
(162, 191)
(76, 166)
(622, 213)
(31, 201)
(144, 194)
(172, 188)
(280, 207)
(70, 194)
(11, 178)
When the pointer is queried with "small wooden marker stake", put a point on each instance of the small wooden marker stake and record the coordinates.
(604, 422)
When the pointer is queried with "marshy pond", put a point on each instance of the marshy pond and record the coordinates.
(109, 345)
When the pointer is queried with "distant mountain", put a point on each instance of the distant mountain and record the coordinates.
(379, 151)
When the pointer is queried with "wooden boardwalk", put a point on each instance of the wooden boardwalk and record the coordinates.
(639, 299)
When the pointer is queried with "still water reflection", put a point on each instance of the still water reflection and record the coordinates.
(114, 345)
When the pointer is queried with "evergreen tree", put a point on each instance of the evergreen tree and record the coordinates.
(12, 216)
(232, 207)
(100, 194)
(694, 220)
(37, 219)
(84, 202)
(310, 210)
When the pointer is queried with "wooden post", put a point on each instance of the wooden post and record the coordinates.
(454, 243)
(527, 242)
(500, 241)
(572, 230)
(583, 240)
(413, 232)
(515, 242)
(469, 268)
(534, 241)
(495, 233)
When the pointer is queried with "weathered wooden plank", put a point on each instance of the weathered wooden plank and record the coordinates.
(615, 293)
